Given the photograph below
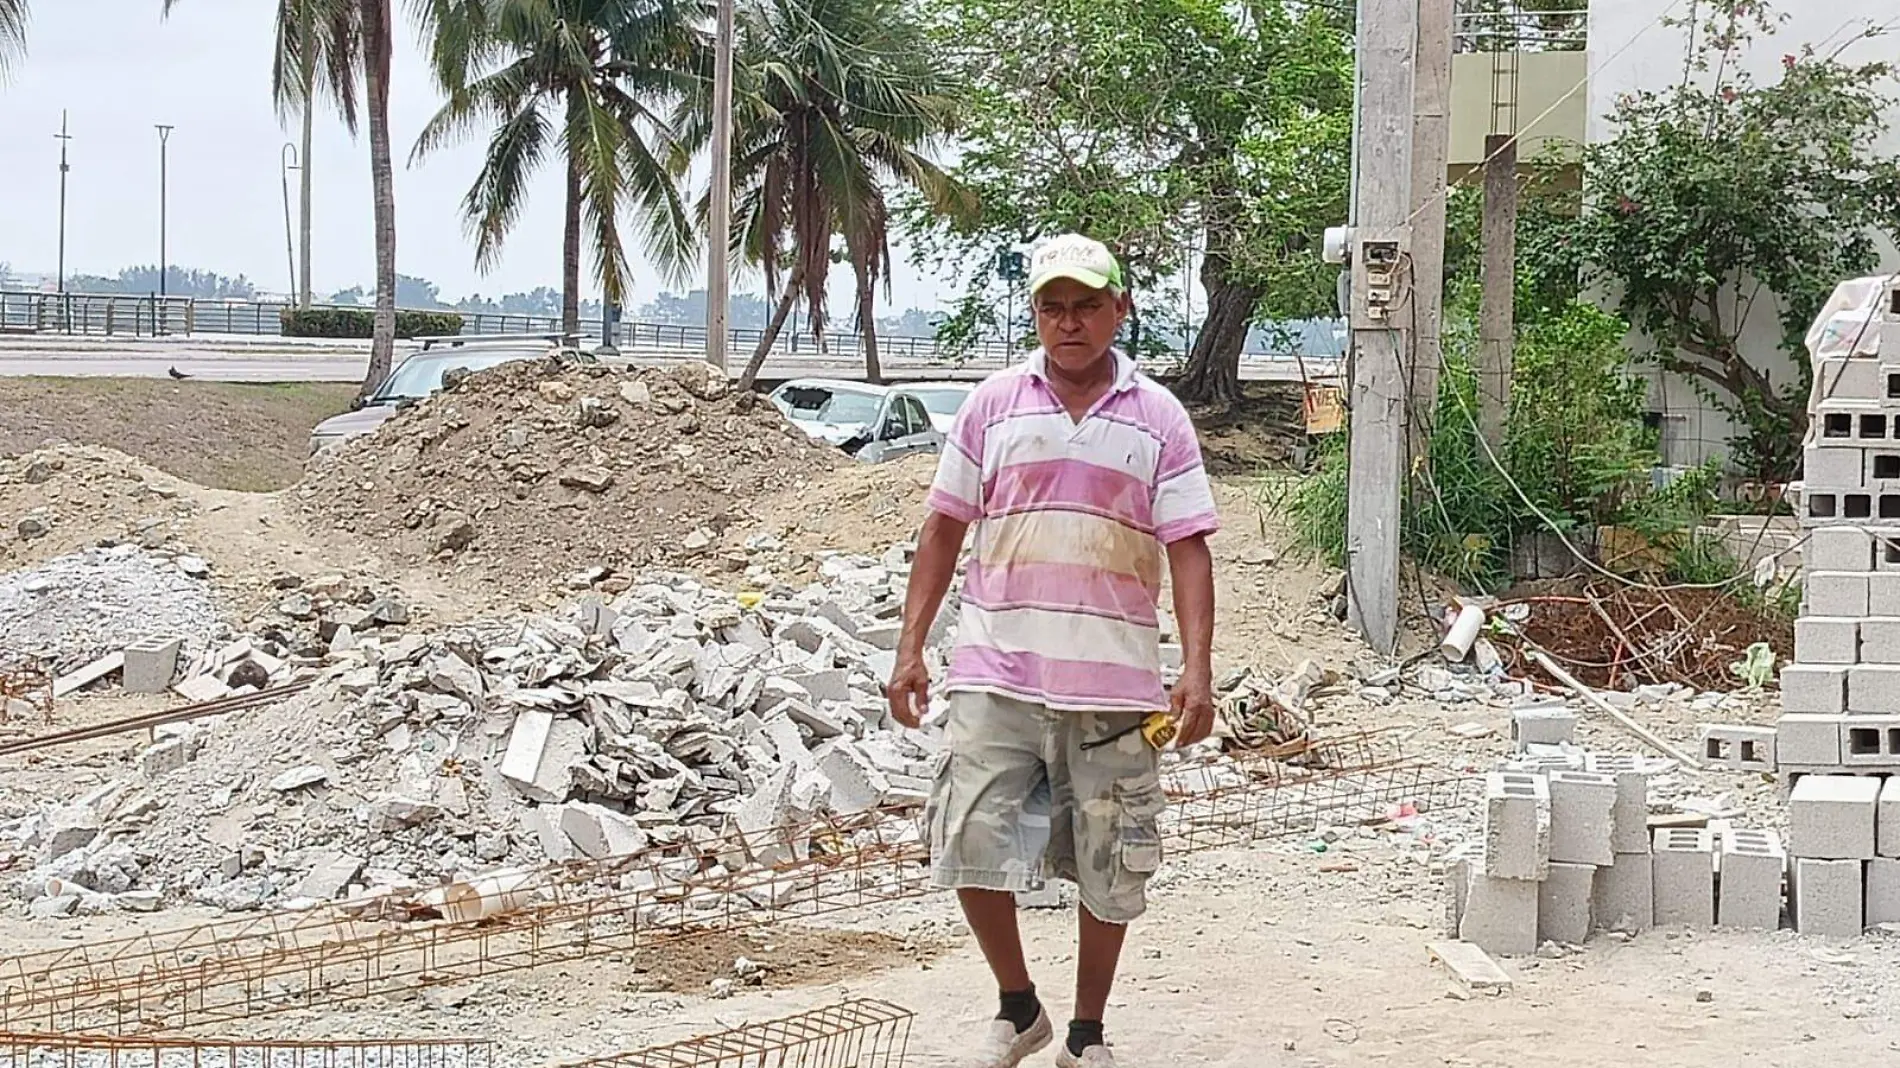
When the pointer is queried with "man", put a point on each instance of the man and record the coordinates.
(1080, 474)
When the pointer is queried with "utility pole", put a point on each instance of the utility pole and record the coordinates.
(164, 136)
(719, 228)
(1497, 303)
(1387, 40)
(1431, 146)
(287, 162)
(64, 139)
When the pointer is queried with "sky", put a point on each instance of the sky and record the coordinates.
(118, 69)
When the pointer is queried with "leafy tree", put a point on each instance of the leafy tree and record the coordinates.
(581, 77)
(413, 292)
(1162, 127)
(1718, 192)
(832, 101)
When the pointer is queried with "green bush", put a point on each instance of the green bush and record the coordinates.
(361, 323)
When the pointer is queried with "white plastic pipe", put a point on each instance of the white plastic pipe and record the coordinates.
(490, 895)
(1464, 631)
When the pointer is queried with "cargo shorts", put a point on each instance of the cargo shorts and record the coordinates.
(1017, 798)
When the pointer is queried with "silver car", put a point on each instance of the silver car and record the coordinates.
(420, 375)
(872, 423)
(941, 399)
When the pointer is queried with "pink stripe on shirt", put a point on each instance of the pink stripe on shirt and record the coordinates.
(1071, 685)
(1076, 484)
(1074, 587)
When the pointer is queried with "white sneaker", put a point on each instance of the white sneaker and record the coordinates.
(1002, 1047)
(1092, 1057)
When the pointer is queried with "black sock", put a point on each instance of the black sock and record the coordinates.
(1019, 1007)
(1083, 1034)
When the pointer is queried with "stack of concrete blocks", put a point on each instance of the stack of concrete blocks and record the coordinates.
(1844, 853)
(1840, 698)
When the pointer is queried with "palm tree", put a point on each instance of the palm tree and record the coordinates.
(832, 100)
(319, 51)
(12, 33)
(583, 77)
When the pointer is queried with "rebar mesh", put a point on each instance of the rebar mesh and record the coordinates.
(856, 1034)
(97, 1051)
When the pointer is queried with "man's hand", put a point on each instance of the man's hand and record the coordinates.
(1192, 704)
(909, 691)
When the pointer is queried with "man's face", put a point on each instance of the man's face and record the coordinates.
(1076, 324)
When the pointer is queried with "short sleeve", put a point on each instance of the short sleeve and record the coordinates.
(1184, 501)
(957, 491)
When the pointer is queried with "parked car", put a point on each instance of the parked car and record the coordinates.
(872, 423)
(941, 399)
(420, 375)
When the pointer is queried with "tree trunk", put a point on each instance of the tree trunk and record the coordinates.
(779, 315)
(378, 26)
(571, 253)
(1212, 376)
(304, 195)
(867, 327)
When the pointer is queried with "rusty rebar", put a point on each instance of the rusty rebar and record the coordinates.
(863, 1033)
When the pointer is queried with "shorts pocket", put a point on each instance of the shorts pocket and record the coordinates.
(937, 805)
(1137, 837)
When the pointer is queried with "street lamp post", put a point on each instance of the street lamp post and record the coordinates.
(164, 136)
(287, 162)
(64, 138)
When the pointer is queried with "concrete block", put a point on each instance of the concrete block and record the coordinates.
(1582, 817)
(1831, 817)
(1873, 689)
(1837, 593)
(1500, 914)
(1629, 820)
(1870, 741)
(1813, 689)
(1543, 726)
(1750, 889)
(1887, 818)
(150, 664)
(1739, 748)
(1880, 640)
(543, 750)
(329, 876)
(598, 831)
(1808, 741)
(1563, 903)
(1516, 826)
(1623, 897)
(1832, 465)
(1683, 875)
(1825, 640)
(1882, 904)
(1824, 897)
(1883, 593)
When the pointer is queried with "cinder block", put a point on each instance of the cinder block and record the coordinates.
(1460, 865)
(1750, 888)
(150, 664)
(1582, 807)
(1842, 548)
(1887, 818)
(1629, 820)
(1879, 640)
(1808, 741)
(1623, 897)
(1837, 593)
(1889, 337)
(1870, 741)
(1883, 593)
(1543, 726)
(1831, 817)
(1882, 904)
(1826, 640)
(1824, 897)
(1516, 825)
(1873, 689)
(1500, 914)
(1683, 871)
(1814, 689)
(1563, 903)
(1739, 748)
(1846, 379)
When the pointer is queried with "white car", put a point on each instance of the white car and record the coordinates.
(872, 423)
(942, 400)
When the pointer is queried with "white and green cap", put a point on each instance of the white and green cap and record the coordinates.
(1077, 258)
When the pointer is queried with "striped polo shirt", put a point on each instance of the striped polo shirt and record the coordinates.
(1060, 592)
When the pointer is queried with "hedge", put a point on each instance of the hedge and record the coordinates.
(361, 322)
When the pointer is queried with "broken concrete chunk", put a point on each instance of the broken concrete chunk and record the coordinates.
(329, 877)
(299, 777)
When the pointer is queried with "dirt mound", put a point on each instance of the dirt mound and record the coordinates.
(534, 471)
(61, 499)
(858, 508)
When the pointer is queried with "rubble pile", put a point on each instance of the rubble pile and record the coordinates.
(673, 714)
(534, 471)
(75, 608)
(66, 497)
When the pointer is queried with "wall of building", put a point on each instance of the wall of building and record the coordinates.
(1550, 111)
(1630, 50)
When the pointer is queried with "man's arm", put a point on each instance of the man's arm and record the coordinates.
(937, 549)
(1191, 568)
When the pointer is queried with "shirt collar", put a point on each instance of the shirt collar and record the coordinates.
(1124, 368)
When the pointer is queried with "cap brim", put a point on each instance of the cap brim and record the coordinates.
(1091, 279)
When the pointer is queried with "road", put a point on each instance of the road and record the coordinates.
(277, 360)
